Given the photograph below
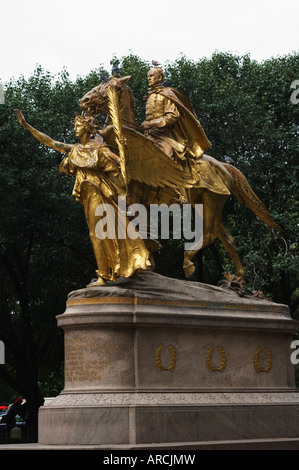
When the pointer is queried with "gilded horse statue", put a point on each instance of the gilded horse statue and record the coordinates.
(208, 182)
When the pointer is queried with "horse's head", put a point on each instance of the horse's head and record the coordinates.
(96, 99)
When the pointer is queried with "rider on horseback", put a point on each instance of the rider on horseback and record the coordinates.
(171, 123)
(170, 120)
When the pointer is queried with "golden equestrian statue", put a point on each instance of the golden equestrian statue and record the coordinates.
(162, 161)
(172, 127)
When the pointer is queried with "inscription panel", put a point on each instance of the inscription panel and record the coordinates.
(99, 358)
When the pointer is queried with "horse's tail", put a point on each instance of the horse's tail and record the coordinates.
(246, 196)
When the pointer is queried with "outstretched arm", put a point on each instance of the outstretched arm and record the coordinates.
(43, 138)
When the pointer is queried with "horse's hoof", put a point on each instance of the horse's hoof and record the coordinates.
(99, 282)
(241, 274)
(189, 270)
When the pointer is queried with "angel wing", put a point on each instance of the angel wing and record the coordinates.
(148, 164)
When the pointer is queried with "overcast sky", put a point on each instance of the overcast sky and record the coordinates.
(82, 35)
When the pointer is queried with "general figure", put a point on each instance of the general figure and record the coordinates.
(170, 120)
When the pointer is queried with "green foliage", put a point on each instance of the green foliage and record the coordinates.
(245, 109)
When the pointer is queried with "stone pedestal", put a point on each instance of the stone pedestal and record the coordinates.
(157, 360)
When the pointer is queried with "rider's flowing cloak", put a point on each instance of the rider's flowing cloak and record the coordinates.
(207, 171)
(188, 128)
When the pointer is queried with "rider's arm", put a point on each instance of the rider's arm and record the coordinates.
(40, 136)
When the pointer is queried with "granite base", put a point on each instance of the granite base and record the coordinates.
(157, 360)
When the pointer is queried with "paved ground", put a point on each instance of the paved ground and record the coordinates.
(259, 444)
